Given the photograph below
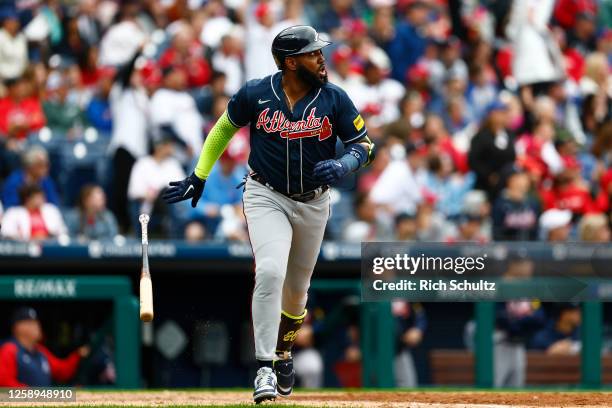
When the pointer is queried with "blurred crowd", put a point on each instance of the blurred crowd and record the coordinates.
(492, 118)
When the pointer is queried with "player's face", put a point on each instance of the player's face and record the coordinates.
(311, 68)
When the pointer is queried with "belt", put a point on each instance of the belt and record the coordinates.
(302, 197)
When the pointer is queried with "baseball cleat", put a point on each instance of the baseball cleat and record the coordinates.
(285, 376)
(265, 385)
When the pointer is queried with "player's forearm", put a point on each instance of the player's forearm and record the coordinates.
(216, 142)
(358, 155)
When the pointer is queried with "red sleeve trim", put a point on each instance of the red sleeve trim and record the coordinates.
(8, 362)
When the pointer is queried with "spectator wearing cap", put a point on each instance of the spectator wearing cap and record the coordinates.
(149, 176)
(35, 171)
(91, 220)
(174, 110)
(34, 219)
(20, 112)
(561, 336)
(515, 213)
(555, 225)
(492, 149)
(63, 115)
(13, 44)
(27, 363)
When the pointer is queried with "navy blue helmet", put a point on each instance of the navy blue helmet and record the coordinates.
(295, 40)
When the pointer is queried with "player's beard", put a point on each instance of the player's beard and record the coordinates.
(314, 80)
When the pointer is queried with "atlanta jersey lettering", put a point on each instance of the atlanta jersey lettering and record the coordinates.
(286, 145)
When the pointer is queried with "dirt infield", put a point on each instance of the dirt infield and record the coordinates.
(356, 399)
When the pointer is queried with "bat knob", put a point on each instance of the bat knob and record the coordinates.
(144, 218)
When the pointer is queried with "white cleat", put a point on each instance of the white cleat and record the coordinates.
(265, 385)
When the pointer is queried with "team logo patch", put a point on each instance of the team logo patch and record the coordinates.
(312, 126)
(358, 122)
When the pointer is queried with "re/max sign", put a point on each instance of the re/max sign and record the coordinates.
(45, 288)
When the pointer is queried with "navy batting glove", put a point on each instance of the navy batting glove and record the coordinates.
(192, 187)
(330, 171)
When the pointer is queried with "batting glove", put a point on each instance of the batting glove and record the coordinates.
(192, 187)
(330, 171)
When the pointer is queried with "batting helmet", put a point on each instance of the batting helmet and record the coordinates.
(296, 40)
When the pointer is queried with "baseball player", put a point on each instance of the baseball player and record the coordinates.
(295, 116)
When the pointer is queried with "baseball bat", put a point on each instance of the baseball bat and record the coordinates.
(146, 286)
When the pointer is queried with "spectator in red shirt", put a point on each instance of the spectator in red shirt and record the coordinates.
(20, 113)
(566, 11)
(568, 192)
(187, 54)
(27, 363)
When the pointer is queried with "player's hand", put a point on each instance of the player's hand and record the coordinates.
(192, 187)
(330, 171)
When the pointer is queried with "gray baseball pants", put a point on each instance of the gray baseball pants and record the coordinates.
(286, 237)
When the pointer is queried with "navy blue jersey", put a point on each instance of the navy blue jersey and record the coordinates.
(22, 366)
(286, 145)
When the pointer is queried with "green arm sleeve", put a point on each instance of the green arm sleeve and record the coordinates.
(214, 145)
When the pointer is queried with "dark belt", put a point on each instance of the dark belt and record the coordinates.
(302, 197)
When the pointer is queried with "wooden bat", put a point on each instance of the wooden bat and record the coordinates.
(146, 286)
